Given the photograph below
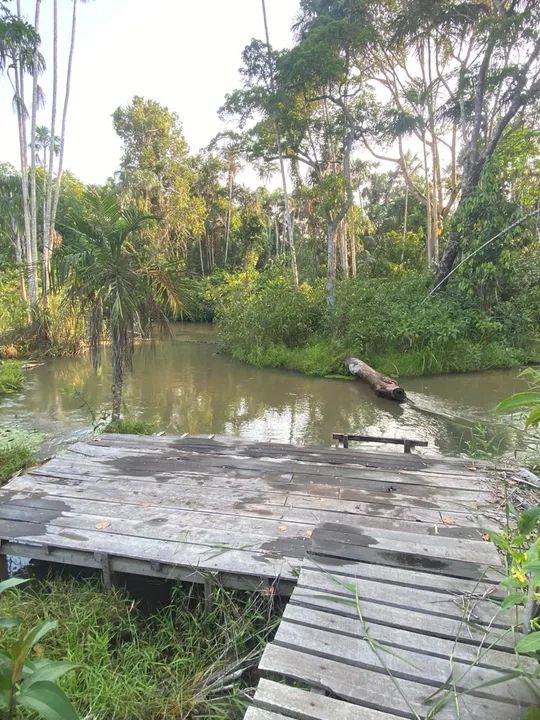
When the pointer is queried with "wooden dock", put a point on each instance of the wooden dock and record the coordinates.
(393, 588)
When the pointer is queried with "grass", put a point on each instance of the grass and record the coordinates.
(11, 376)
(180, 662)
(324, 357)
(17, 450)
(130, 426)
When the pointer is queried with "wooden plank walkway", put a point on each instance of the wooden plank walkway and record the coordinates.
(394, 589)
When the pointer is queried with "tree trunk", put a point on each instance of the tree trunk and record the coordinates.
(23, 150)
(288, 220)
(64, 118)
(229, 211)
(331, 265)
(201, 256)
(352, 242)
(342, 244)
(48, 224)
(381, 385)
(117, 362)
(33, 194)
(19, 261)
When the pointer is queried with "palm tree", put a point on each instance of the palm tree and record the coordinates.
(114, 281)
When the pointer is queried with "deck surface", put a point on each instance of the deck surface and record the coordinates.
(394, 588)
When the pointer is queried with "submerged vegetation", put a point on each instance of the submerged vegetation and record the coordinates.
(179, 661)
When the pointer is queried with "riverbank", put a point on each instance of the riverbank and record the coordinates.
(324, 358)
(391, 323)
(154, 653)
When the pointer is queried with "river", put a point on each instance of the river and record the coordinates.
(184, 385)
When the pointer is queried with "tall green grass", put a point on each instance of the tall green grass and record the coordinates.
(17, 450)
(130, 426)
(11, 376)
(179, 662)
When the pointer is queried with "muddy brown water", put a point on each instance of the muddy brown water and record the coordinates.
(185, 385)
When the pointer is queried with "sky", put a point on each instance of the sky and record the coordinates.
(184, 54)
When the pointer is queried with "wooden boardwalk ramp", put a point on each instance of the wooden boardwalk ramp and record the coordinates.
(393, 589)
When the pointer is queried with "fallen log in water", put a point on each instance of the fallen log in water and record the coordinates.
(382, 385)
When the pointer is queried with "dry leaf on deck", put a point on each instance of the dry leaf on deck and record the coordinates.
(447, 520)
(103, 524)
(308, 533)
(282, 528)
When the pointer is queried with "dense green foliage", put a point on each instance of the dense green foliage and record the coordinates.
(389, 322)
(178, 662)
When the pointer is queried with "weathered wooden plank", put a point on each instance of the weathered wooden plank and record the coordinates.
(407, 619)
(434, 603)
(257, 512)
(302, 704)
(376, 689)
(150, 520)
(249, 503)
(355, 571)
(267, 564)
(212, 537)
(461, 478)
(163, 527)
(404, 663)
(387, 539)
(135, 492)
(395, 556)
(261, 455)
(279, 494)
(254, 713)
(429, 644)
(160, 570)
(225, 443)
(357, 489)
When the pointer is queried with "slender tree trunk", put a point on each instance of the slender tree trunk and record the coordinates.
(331, 260)
(405, 220)
(352, 243)
(117, 361)
(288, 220)
(341, 243)
(33, 193)
(23, 151)
(201, 256)
(19, 261)
(230, 185)
(64, 119)
(48, 224)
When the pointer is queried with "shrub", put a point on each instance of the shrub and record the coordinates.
(389, 322)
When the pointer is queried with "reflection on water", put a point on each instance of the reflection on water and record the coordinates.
(184, 385)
